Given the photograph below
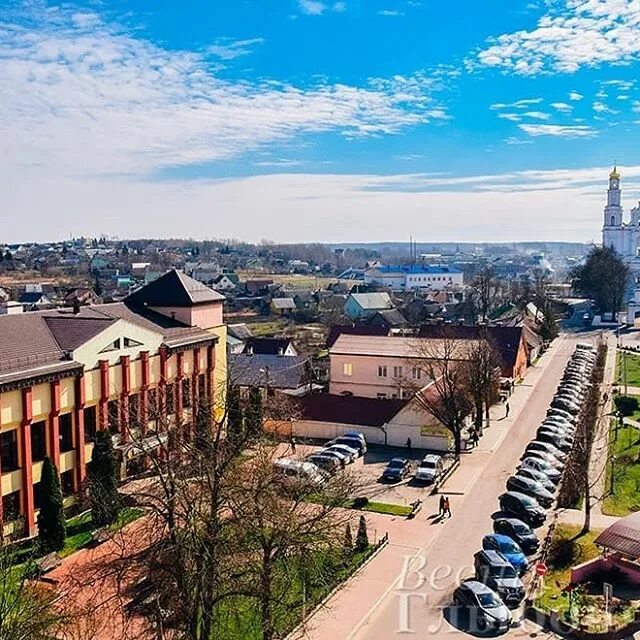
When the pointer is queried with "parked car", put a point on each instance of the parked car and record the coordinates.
(326, 462)
(518, 531)
(555, 438)
(538, 464)
(345, 458)
(508, 548)
(547, 457)
(531, 488)
(354, 443)
(538, 476)
(299, 472)
(566, 405)
(557, 411)
(494, 570)
(546, 447)
(396, 470)
(523, 507)
(350, 453)
(486, 610)
(430, 469)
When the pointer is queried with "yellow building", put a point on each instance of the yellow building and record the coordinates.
(66, 373)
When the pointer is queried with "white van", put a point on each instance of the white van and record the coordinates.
(299, 471)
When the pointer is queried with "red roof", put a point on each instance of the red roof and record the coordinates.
(623, 536)
(355, 410)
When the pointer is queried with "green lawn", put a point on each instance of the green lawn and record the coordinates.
(385, 508)
(239, 618)
(268, 328)
(623, 476)
(632, 367)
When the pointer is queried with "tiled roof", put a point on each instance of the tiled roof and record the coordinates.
(174, 289)
(337, 330)
(71, 331)
(393, 347)
(623, 536)
(278, 372)
(354, 410)
(284, 303)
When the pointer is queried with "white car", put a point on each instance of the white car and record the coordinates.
(349, 453)
(429, 469)
(537, 464)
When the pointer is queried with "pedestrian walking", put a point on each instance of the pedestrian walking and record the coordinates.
(293, 444)
(441, 506)
(506, 409)
(447, 507)
(408, 444)
(475, 438)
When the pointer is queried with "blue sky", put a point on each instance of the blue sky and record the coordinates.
(314, 120)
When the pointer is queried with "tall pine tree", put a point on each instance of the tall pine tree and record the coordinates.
(362, 538)
(254, 416)
(103, 481)
(51, 525)
(235, 419)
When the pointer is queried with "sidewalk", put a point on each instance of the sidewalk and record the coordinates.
(352, 605)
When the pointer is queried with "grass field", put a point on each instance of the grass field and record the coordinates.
(296, 281)
(623, 475)
(632, 369)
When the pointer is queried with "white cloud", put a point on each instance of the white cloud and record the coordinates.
(563, 107)
(636, 106)
(575, 96)
(227, 49)
(537, 115)
(312, 7)
(93, 100)
(518, 104)
(390, 12)
(558, 131)
(512, 140)
(571, 35)
(513, 117)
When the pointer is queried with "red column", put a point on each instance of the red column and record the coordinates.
(178, 385)
(162, 404)
(144, 391)
(125, 362)
(25, 460)
(211, 365)
(79, 411)
(103, 404)
(54, 424)
(195, 398)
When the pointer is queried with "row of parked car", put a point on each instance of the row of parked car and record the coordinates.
(497, 587)
(317, 467)
(428, 471)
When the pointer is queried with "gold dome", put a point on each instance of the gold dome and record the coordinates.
(614, 175)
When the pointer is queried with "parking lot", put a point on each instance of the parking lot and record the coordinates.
(369, 470)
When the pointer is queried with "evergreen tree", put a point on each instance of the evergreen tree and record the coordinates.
(254, 417)
(549, 326)
(103, 481)
(97, 287)
(362, 539)
(202, 426)
(51, 525)
(235, 419)
(347, 546)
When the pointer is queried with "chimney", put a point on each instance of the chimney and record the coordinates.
(76, 306)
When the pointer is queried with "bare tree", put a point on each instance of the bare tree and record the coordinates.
(446, 397)
(482, 377)
(484, 286)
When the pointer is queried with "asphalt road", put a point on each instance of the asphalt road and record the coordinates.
(416, 605)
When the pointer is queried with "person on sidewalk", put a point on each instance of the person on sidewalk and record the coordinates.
(408, 444)
(293, 444)
(475, 438)
(506, 409)
(447, 507)
(441, 506)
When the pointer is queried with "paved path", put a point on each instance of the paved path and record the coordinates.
(374, 605)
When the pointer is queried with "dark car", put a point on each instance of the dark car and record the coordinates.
(523, 507)
(327, 463)
(546, 447)
(485, 609)
(531, 488)
(396, 470)
(494, 570)
(518, 531)
(538, 476)
(555, 438)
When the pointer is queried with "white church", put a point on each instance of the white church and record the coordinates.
(624, 237)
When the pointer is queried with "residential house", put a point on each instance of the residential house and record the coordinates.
(205, 272)
(282, 306)
(237, 335)
(34, 300)
(257, 287)
(82, 296)
(130, 367)
(225, 282)
(270, 373)
(269, 346)
(390, 319)
(364, 305)
(354, 330)
(405, 278)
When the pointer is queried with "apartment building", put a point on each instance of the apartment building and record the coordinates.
(66, 373)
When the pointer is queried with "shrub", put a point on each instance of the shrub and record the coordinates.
(626, 405)
(563, 553)
(362, 539)
(360, 503)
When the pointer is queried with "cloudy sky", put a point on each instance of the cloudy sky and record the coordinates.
(316, 120)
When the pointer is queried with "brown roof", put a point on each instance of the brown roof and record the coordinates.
(355, 410)
(71, 331)
(623, 536)
(393, 347)
(174, 289)
(337, 330)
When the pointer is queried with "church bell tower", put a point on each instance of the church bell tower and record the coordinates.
(613, 210)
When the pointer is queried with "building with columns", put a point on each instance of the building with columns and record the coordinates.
(621, 235)
(66, 373)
